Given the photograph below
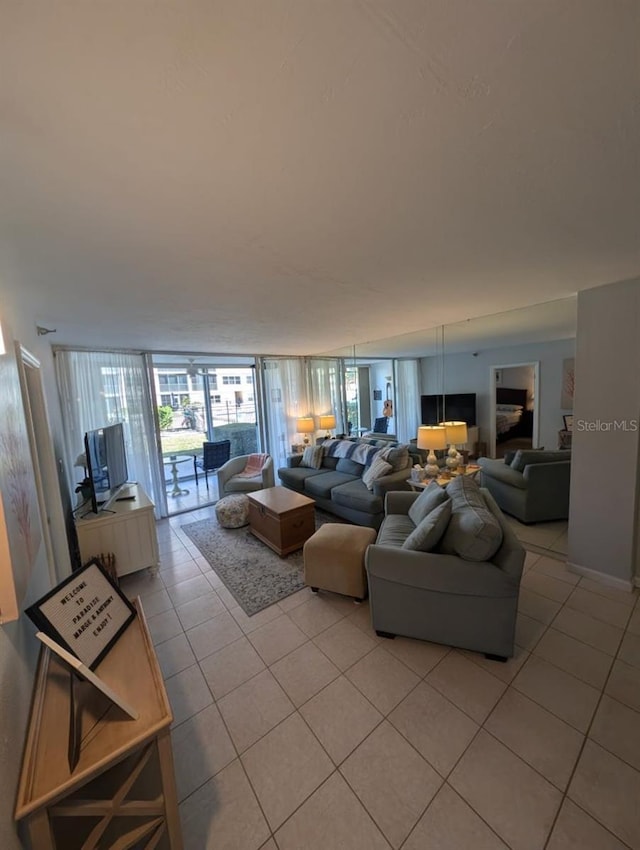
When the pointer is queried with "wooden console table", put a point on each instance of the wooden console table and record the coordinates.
(129, 532)
(122, 793)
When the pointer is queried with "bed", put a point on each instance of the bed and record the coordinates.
(512, 419)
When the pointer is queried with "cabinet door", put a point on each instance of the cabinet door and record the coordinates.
(131, 538)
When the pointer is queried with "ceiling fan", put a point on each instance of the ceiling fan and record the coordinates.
(193, 371)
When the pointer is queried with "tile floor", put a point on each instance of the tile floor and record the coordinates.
(541, 536)
(300, 729)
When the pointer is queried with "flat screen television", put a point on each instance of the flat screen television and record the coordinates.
(106, 464)
(460, 407)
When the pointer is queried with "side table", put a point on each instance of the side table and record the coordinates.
(564, 439)
(470, 471)
(174, 460)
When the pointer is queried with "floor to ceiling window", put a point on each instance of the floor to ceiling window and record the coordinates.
(300, 387)
(354, 417)
(204, 398)
(99, 388)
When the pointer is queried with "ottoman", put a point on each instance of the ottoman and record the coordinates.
(233, 511)
(334, 559)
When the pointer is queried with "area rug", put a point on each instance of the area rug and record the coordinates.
(252, 573)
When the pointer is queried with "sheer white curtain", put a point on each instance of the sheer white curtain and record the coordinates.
(294, 387)
(99, 388)
(326, 379)
(285, 383)
(407, 411)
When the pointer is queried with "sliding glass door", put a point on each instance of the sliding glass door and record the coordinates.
(201, 399)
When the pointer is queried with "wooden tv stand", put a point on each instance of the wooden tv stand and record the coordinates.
(122, 792)
(129, 532)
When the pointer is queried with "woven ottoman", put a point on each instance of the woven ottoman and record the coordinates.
(334, 559)
(233, 511)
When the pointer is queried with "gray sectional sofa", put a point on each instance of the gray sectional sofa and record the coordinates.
(337, 486)
(456, 593)
(531, 485)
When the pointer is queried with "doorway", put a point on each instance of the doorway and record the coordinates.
(513, 419)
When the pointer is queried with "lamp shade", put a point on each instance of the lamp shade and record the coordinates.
(432, 437)
(456, 432)
(305, 425)
(327, 422)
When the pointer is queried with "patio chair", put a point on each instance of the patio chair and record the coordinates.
(214, 455)
(381, 425)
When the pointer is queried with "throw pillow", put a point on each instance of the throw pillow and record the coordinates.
(518, 461)
(312, 457)
(398, 457)
(428, 533)
(430, 498)
(378, 468)
(473, 532)
(463, 491)
(351, 467)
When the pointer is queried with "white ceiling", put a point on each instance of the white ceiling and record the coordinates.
(290, 176)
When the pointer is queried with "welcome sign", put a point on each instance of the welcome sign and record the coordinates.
(86, 613)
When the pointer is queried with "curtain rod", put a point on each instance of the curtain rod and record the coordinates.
(82, 348)
(170, 353)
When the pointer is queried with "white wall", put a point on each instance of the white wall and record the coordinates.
(18, 645)
(466, 373)
(604, 508)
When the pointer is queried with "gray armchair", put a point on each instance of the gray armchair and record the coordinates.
(535, 490)
(230, 480)
(443, 598)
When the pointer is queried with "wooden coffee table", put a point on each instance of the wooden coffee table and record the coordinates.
(281, 518)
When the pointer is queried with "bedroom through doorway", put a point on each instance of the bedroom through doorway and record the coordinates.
(514, 424)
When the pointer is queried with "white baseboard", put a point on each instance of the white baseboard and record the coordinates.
(603, 578)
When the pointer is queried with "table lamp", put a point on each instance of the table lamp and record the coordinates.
(305, 426)
(456, 434)
(327, 422)
(431, 437)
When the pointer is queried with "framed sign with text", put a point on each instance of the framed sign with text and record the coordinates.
(86, 614)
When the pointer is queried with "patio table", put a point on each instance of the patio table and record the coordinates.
(174, 460)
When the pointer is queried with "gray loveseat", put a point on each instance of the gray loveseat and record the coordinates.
(442, 597)
(337, 486)
(531, 485)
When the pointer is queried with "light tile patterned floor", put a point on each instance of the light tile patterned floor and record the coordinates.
(300, 729)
